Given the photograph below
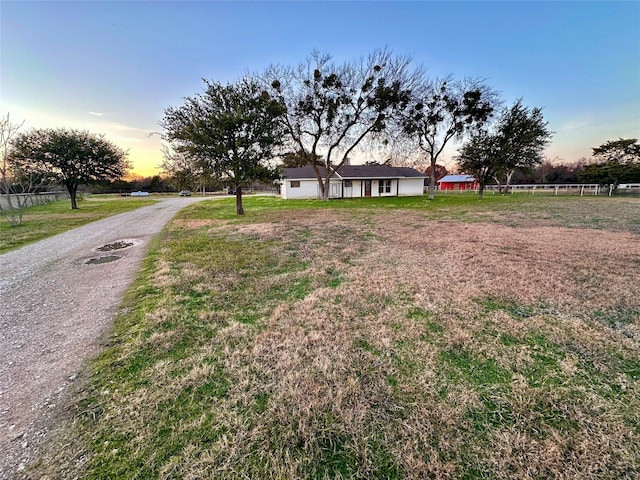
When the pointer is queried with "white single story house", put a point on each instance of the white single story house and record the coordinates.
(353, 181)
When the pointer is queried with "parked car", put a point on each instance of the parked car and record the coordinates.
(185, 193)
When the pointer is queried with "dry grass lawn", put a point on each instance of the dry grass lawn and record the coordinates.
(369, 343)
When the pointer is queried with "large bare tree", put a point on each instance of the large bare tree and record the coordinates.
(445, 110)
(16, 184)
(332, 108)
(182, 171)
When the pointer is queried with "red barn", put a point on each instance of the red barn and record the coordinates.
(457, 182)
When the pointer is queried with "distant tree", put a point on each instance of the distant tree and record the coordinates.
(16, 185)
(388, 163)
(183, 173)
(229, 132)
(523, 136)
(516, 142)
(439, 172)
(445, 110)
(549, 171)
(478, 156)
(70, 157)
(625, 151)
(300, 158)
(116, 186)
(616, 161)
(610, 173)
(152, 184)
(331, 109)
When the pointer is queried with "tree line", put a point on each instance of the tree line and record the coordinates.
(320, 113)
(596, 170)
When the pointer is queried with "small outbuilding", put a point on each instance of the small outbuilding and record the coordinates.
(353, 181)
(457, 182)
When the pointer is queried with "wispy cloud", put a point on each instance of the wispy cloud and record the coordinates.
(577, 123)
(97, 114)
(603, 121)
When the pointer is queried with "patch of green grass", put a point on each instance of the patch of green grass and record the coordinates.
(517, 310)
(247, 317)
(43, 221)
(367, 347)
(333, 458)
(299, 288)
(543, 369)
(617, 317)
(434, 327)
(507, 340)
(261, 402)
(217, 255)
(491, 415)
(417, 313)
(477, 371)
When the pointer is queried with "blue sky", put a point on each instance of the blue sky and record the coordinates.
(113, 67)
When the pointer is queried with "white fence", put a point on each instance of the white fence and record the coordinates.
(581, 189)
(31, 199)
(553, 189)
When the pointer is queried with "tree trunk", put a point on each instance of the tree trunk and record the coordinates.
(239, 208)
(326, 189)
(480, 190)
(508, 182)
(72, 189)
(14, 214)
(432, 180)
(319, 179)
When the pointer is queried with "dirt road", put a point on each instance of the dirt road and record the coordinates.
(57, 297)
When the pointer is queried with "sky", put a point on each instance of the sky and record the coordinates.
(114, 67)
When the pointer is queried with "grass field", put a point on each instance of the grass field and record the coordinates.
(50, 219)
(398, 338)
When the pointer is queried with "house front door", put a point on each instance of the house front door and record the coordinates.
(367, 188)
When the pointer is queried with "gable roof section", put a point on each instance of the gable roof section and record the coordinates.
(457, 179)
(349, 172)
(301, 173)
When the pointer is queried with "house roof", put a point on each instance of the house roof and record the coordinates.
(457, 179)
(348, 172)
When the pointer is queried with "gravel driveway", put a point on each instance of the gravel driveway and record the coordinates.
(54, 307)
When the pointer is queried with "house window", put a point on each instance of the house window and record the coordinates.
(347, 183)
(384, 186)
(295, 183)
